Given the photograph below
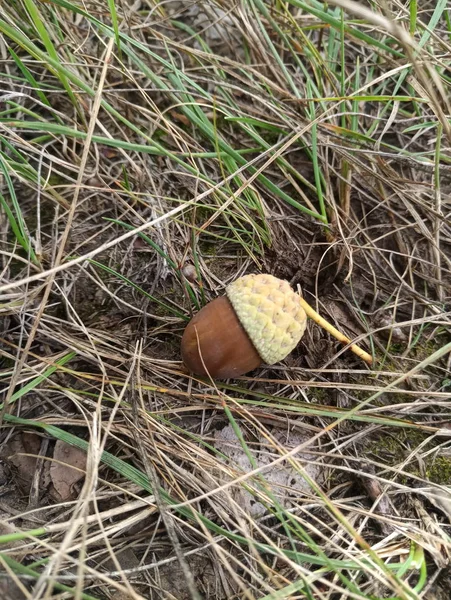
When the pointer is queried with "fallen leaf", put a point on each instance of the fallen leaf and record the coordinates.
(285, 482)
(126, 559)
(8, 588)
(68, 467)
(23, 450)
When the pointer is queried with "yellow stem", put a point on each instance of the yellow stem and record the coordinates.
(337, 334)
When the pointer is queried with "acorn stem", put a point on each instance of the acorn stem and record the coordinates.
(337, 334)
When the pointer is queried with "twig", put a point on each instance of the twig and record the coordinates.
(337, 334)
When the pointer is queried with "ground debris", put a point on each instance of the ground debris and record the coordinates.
(22, 452)
(67, 469)
(171, 580)
(34, 477)
(282, 481)
(433, 544)
(9, 590)
(382, 504)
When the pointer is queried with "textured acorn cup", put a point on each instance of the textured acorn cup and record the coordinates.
(259, 321)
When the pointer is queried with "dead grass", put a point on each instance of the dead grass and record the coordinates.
(150, 153)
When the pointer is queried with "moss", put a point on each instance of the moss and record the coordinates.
(393, 450)
(393, 397)
(424, 349)
(207, 248)
(438, 470)
(393, 360)
(320, 395)
(397, 348)
(400, 444)
(387, 449)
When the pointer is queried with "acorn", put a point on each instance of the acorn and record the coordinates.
(259, 320)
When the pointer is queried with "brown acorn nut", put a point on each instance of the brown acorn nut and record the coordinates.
(260, 320)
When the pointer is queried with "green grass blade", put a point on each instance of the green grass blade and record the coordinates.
(44, 36)
(15, 216)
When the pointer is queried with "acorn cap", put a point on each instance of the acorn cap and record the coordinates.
(271, 314)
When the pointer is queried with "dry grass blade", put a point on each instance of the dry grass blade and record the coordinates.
(150, 154)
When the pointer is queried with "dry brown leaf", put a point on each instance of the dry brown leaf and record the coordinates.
(9, 590)
(68, 467)
(284, 481)
(23, 450)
